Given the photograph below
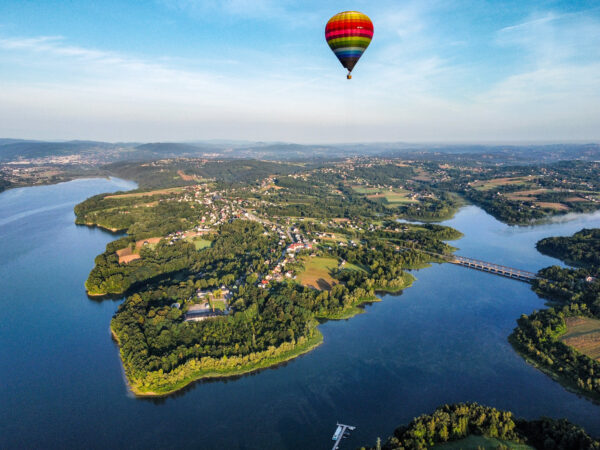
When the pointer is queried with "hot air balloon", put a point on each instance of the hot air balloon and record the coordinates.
(348, 34)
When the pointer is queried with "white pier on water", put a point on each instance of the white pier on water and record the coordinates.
(341, 432)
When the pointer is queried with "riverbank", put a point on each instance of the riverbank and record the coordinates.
(470, 425)
(159, 384)
(351, 311)
(564, 381)
(102, 227)
(366, 367)
(458, 202)
(358, 308)
(56, 179)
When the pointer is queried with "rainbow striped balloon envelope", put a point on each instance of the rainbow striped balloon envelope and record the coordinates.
(348, 34)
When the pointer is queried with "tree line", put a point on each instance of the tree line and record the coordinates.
(452, 423)
(575, 293)
(583, 248)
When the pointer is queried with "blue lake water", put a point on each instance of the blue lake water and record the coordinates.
(441, 341)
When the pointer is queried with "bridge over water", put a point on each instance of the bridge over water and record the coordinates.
(505, 271)
(484, 266)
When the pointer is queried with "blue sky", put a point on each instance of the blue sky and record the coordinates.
(436, 71)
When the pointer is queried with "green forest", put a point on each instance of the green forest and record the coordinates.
(456, 423)
(342, 208)
(162, 352)
(581, 249)
(573, 293)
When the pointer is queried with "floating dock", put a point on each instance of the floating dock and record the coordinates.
(341, 432)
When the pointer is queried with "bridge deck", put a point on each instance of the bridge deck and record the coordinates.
(497, 269)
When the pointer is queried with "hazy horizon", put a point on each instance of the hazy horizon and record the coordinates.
(242, 141)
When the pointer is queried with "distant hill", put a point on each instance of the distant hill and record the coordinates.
(173, 149)
(104, 152)
(502, 153)
(283, 151)
(12, 150)
(4, 141)
(167, 173)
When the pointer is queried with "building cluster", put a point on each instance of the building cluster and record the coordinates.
(279, 271)
(218, 208)
(197, 231)
(205, 308)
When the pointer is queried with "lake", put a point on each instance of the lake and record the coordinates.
(443, 340)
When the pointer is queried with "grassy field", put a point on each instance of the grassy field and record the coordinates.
(201, 243)
(398, 196)
(128, 254)
(186, 177)
(218, 304)
(349, 266)
(317, 272)
(476, 442)
(393, 198)
(583, 334)
(366, 190)
(533, 195)
(146, 194)
(532, 192)
(422, 175)
(552, 205)
(491, 184)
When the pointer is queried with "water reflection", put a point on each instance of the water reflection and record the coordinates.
(443, 340)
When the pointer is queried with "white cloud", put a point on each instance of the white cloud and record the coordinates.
(550, 38)
(557, 91)
(158, 98)
(256, 10)
(402, 90)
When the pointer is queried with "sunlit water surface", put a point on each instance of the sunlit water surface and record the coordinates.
(441, 341)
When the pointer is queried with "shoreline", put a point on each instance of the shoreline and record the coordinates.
(565, 382)
(261, 364)
(264, 360)
(358, 308)
(460, 203)
(202, 374)
(192, 370)
(66, 180)
(549, 219)
(102, 227)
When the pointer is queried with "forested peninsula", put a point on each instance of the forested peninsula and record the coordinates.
(225, 278)
(469, 425)
(231, 272)
(582, 249)
(564, 340)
